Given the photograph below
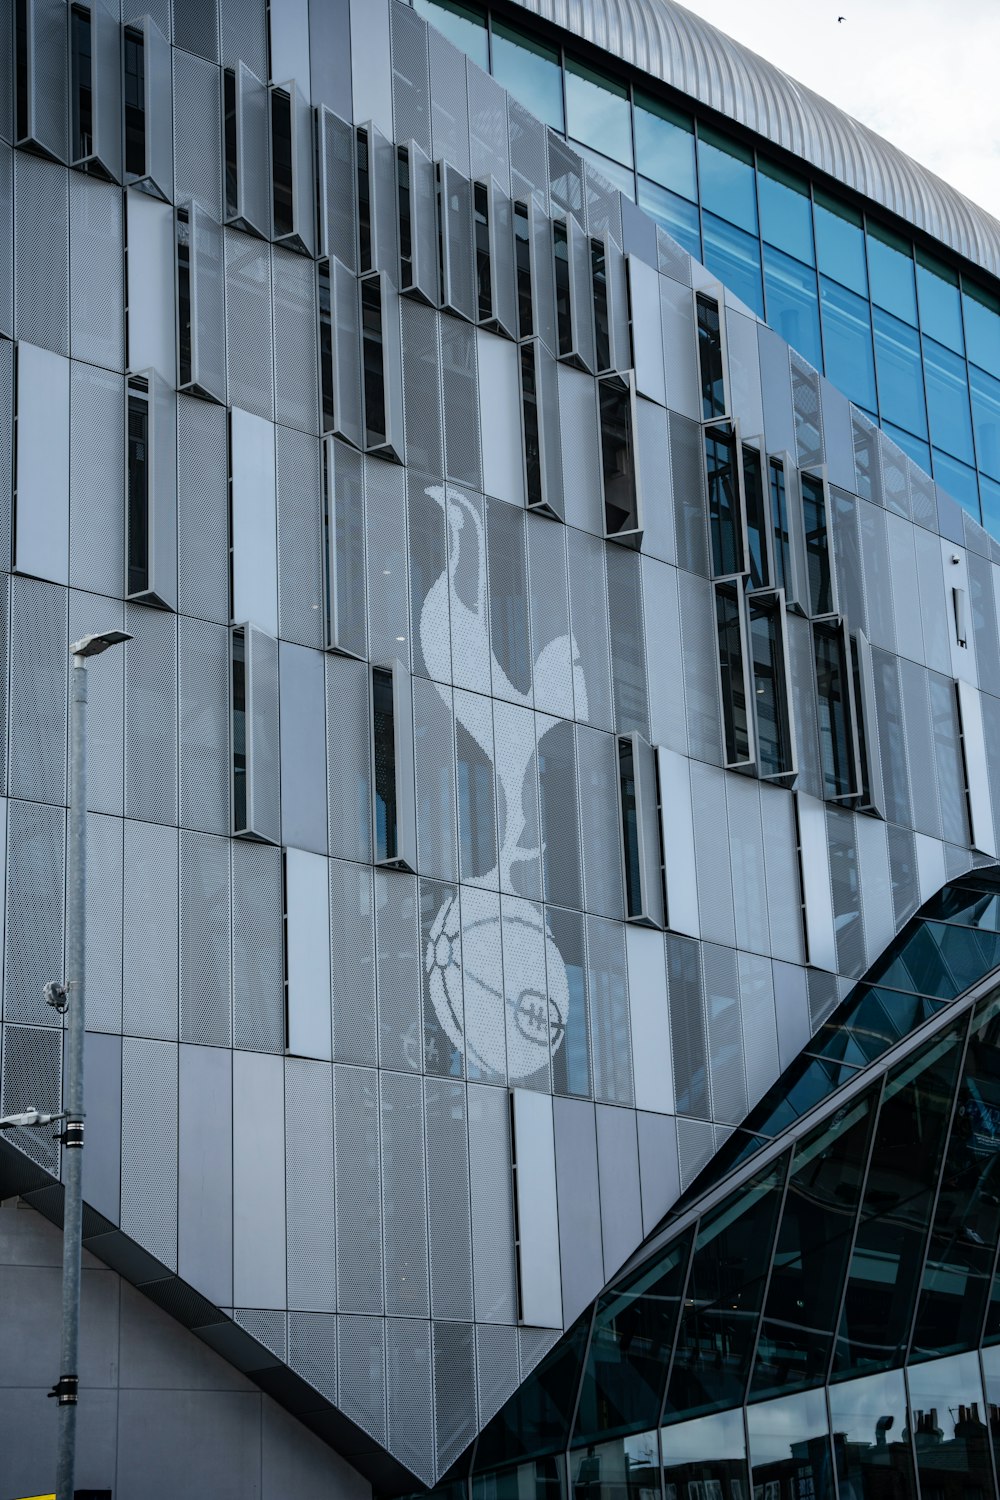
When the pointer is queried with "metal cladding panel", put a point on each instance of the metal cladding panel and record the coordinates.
(257, 947)
(203, 702)
(448, 1201)
(349, 758)
(503, 283)
(425, 270)
(41, 526)
(32, 1069)
(102, 1162)
(664, 666)
(565, 177)
(205, 891)
(243, 28)
(529, 165)
(460, 399)
(781, 868)
(657, 498)
(492, 1205)
(162, 493)
(352, 930)
(205, 1172)
(974, 742)
(847, 552)
(6, 239)
(952, 774)
(891, 738)
(814, 871)
(202, 510)
(7, 75)
(303, 748)
(581, 1259)
(746, 847)
(687, 472)
(96, 480)
(44, 45)
(104, 923)
(689, 1048)
(300, 537)
(700, 658)
(149, 1147)
(875, 878)
(449, 101)
(903, 873)
(37, 702)
(560, 824)
(537, 1211)
(246, 202)
(259, 1263)
(397, 960)
(758, 1023)
(345, 333)
(150, 990)
(515, 809)
(535, 1024)
(607, 995)
(628, 655)
(428, 511)
(404, 1201)
(196, 27)
(361, 1372)
(659, 1175)
(34, 925)
(197, 120)
(649, 1022)
(933, 607)
(489, 153)
(597, 771)
(254, 522)
(618, 1169)
(484, 1037)
(158, 175)
(296, 358)
(714, 867)
(97, 314)
(150, 288)
(552, 643)
(808, 414)
(248, 324)
(387, 547)
(310, 1245)
(500, 418)
(347, 628)
(434, 755)
(877, 577)
(409, 1394)
(984, 622)
(312, 1350)
(647, 335)
(845, 886)
(151, 715)
(411, 97)
(288, 33)
(776, 392)
(422, 415)
(903, 573)
(579, 435)
(725, 1034)
(918, 737)
(458, 290)
(262, 736)
(41, 253)
(454, 1390)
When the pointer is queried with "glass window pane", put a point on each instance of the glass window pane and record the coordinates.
(812, 1252)
(727, 178)
(986, 416)
(530, 71)
(705, 1459)
(536, 1419)
(840, 243)
(959, 1267)
(899, 1194)
(620, 177)
(982, 327)
(676, 215)
(790, 1447)
(735, 258)
(461, 25)
(664, 145)
(989, 490)
(628, 1469)
(948, 400)
(949, 1427)
(941, 960)
(871, 1439)
(959, 480)
(897, 359)
(723, 501)
(918, 451)
(940, 302)
(785, 211)
(792, 305)
(543, 1479)
(847, 342)
(725, 1289)
(890, 266)
(597, 112)
(630, 1348)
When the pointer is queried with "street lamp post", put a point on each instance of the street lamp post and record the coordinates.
(69, 998)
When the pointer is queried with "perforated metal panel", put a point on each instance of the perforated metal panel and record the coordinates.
(700, 649)
(151, 715)
(202, 511)
(267, 1325)
(460, 394)
(687, 471)
(352, 932)
(44, 46)
(258, 997)
(312, 1350)
(197, 121)
(536, 1001)
(246, 194)
(560, 823)
(492, 1205)
(6, 231)
(309, 1186)
(458, 293)
(97, 330)
(808, 413)
(345, 357)
(149, 1147)
(244, 33)
(411, 103)
(758, 1022)
(359, 1207)
(296, 366)
(150, 993)
(421, 275)
(496, 1359)
(343, 478)
(920, 748)
(589, 621)
(300, 537)
(725, 1037)
(431, 523)
(581, 458)
(845, 885)
(565, 178)
(34, 926)
(399, 991)
(349, 758)
(607, 993)
(516, 765)
(695, 1147)
(454, 1390)
(784, 899)
(434, 758)
(628, 654)
(361, 1373)
(263, 805)
(248, 324)
(32, 1079)
(449, 1214)
(746, 848)
(38, 685)
(388, 593)
(97, 480)
(205, 1015)
(489, 152)
(404, 1206)
(877, 580)
(528, 153)
(200, 237)
(422, 388)
(203, 698)
(41, 253)
(552, 641)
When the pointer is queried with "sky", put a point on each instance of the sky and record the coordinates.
(920, 72)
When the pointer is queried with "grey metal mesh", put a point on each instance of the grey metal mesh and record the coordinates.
(448, 1208)
(38, 683)
(411, 103)
(151, 715)
(203, 699)
(352, 934)
(258, 997)
(310, 1232)
(249, 343)
(409, 1388)
(197, 120)
(404, 1205)
(300, 531)
(396, 949)
(454, 1390)
(597, 772)
(97, 480)
(149, 1146)
(149, 931)
(312, 1350)
(97, 312)
(361, 1373)
(32, 1079)
(296, 361)
(205, 1014)
(607, 993)
(41, 252)
(359, 1205)
(202, 510)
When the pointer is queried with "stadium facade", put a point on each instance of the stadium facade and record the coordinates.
(543, 909)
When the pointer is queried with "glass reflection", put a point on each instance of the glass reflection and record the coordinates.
(982, 327)
(530, 71)
(790, 1452)
(940, 302)
(674, 214)
(847, 342)
(664, 145)
(785, 211)
(897, 356)
(706, 1459)
(890, 266)
(792, 303)
(991, 1381)
(727, 179)
(959, 480)
(986, 418)
(948, 1421)
(597, 112)
(536, 1419)
(734, 257)
(542, 1480)
(948, 400)
(840, 243)
(461, 25)
(628, 1469)
(871, 1445)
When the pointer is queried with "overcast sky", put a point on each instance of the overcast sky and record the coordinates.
(920, 72)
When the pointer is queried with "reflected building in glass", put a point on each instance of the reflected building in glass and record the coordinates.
(544, 888)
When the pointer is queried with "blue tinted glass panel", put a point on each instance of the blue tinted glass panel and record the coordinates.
(735, 258)
(871, 1437)
(465, 27)
(664, 146)
(847, 342)
(989, 491)
(705, 1457)
(727, 179)
(597, 112)
(918, 451)
(982, 330)
(948, 401)
(790, 1447)
(940, 303)
(959, 480)
(840, 244)
(900, 388)
(530, 71)
(792, 307)
(785, 212)
(621, 177)
(890, 266)
(677, 216)
(986, 415)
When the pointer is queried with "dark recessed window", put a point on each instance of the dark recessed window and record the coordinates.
(281, 163)
(835, 717)
(732, 672)
(817, 545)
(239, 731)
(184, 367)
(532, 434)
(481, 226)
(135, 102)
(725, 522)
(364, 204)
(621, 498)
(713, 391)
(767, 654)
(326, 343)
(21, 64)
(403, 198)
(758, 559)
(232, 160)
(82, 98)
(779, 523)
(522, 252)
(383, 728)
(564, 306)
(630, 828)
(138, 489)
(373, 359)
(602, 313)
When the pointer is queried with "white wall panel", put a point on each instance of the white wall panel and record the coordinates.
(308, 904)
(41, 529)
(255, 537)
(652, 1069)
(537, 1214)
(152, 336)
(500, 417)
(817, 898)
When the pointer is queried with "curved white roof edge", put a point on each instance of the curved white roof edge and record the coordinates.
(661, 38)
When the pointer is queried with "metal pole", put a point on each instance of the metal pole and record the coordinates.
(68, 1383)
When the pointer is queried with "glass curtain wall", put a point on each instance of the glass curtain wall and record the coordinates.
(859, 301)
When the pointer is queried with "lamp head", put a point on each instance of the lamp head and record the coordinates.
(93, 645)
